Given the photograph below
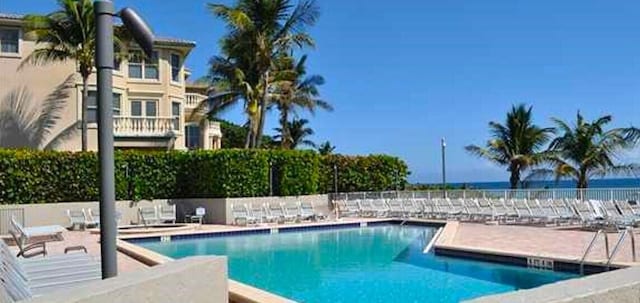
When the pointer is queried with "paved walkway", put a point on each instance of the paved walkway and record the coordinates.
(539, 241)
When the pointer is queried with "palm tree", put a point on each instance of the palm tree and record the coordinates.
(23, 126)
(293, 89)
(299, 132)
(586, 149)
(68, 34)
(326, 148)
(259, 30)
(516, 144)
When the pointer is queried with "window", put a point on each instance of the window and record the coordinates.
(192, 135)
(9, 40)
(92, 106)
(175, 113)
(144, 108)
(143, 68)
(175, 68)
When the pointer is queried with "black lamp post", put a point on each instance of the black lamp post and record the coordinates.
(104, 14)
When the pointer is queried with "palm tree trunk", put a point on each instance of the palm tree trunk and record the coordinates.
(284, 129)
(247, 142)
(263, 110)
(515, 177)
(85, 97)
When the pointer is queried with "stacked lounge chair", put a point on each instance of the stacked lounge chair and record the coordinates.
(25, 279)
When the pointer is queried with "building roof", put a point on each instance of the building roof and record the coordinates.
(163, 40)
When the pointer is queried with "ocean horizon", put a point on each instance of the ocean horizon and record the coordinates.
(595, 183)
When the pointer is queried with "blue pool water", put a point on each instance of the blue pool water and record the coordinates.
(374, 264)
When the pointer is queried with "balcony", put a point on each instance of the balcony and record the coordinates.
(144, 126)
(193, 99)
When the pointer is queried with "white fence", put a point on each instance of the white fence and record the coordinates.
(623, 194)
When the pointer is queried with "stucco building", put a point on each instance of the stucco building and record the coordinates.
(151, 110)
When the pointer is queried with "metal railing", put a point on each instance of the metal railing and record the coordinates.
(144, 126)
(5, 218)
(591, 244)
(602, 194)
(616, 248)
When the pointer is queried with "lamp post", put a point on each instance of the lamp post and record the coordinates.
(104, 13)
(335, 179)
(270, 178)
(444, 171)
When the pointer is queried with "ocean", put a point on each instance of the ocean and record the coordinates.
(594, 183)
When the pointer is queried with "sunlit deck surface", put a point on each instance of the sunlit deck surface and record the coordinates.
(550, 242)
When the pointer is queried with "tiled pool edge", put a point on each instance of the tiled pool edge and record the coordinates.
(238, 292)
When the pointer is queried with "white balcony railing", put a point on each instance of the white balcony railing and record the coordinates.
(193, 100)
(143, 126)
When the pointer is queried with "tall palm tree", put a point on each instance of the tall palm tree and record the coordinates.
(299, 133)
(258, 30)
(586, 149)
(326, 148)
(292, 90)
(24, 126)
(517, 144)
(67, 34)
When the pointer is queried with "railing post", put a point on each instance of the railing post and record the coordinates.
(464, 194)
(611, 195)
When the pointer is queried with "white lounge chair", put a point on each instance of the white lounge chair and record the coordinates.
(308, 211)
(291, 212)
(380, 207)
(241, 215)
(22, 282)
(91, 217)
(26, 235)
(148, 215)
(395, 208)
(76, 218)
(366, 208)
(409, 209)
(167, 213)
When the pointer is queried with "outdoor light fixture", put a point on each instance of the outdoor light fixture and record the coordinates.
(443, 143)
(104, 14)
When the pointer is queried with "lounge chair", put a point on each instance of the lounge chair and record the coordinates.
(626, 209)
(23, 281)
(366, 208)
(307, 211)
(588, 214)
(473, 210)
(291, 212)
(410, 209)
(487, 210)
(26, 235)
(148, 215)
(76, 218)
(429, 208)
(351, 208)
(241, 215)
(564, 210)
(257, 211)
(167, 213)
(395, 208)
(442, 208)
(614, 217)
(457, 208)
(91, 217)
(380, 207)
(524, 211)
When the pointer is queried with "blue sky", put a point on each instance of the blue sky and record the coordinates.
(403, 74)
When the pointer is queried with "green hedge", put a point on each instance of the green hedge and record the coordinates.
(45, 176)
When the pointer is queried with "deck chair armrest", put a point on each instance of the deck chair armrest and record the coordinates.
(26, 250)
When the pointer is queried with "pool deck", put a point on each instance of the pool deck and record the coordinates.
(530, 241)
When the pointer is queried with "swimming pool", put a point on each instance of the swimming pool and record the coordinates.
(382, 263)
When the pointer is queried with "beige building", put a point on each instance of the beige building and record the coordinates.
(151, 105)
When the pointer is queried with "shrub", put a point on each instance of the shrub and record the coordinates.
(46, 176)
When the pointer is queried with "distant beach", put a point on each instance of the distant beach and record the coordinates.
(595, 183)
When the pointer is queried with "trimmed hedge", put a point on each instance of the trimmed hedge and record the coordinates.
(46, 176)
